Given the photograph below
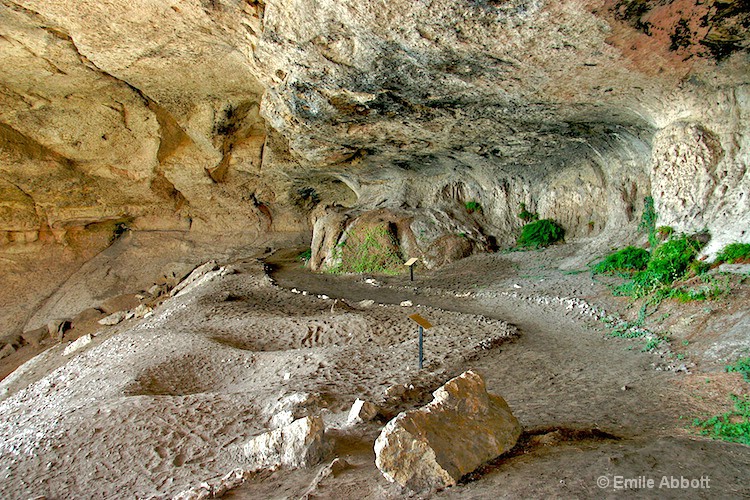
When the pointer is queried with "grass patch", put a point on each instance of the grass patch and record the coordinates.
(734, 252)
(627, 260)
(305, 256)
(473, 206)
(540, 233)
(742, 366)
(732, 426)
(369, 250)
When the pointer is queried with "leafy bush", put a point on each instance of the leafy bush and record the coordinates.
(629, 259)
(369, 250)
(540, 233)
(473, 206)
(525, 215)
(668, 262)
(734, 252)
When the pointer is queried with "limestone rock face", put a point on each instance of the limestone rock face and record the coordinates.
(434, 446)
(299, 444)
(230, 116)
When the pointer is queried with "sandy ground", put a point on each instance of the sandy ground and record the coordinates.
(156, 405)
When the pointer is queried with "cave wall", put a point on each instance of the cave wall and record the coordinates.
(242, 116)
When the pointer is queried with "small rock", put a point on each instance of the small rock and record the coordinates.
(395, 391)
(304, 292)
(406, 303)
(362, 411)
(299, 444)
(113, 318)
(324, 297)
(7, 350)
(366, 303)
(516, 286)
(434, 446)
(624, 388)
(57, 328)
(141, 311)
(79, 343)
(294, 290)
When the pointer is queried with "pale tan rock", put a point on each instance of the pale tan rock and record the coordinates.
(78, 344)
(361, 411)
(113, 318)
(434, 446)
(299, 444)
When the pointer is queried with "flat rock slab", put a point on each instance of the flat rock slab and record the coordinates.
(434, 446)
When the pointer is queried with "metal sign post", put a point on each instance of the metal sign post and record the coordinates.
(410, 264)
(423, 325)
(421, 353)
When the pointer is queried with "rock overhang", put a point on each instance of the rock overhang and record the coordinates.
(351, 95)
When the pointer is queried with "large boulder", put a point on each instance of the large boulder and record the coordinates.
(299, 444)
(434, 446)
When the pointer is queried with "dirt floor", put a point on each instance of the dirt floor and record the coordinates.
(155, 405)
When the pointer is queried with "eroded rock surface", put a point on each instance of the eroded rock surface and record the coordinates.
(434, 446)
(299, 444)
(230, 116)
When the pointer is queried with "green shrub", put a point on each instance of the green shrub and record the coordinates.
(664, 232)
(648, 220)
(473, 206)
(525, 215)
(629, 259)
(369, 250)
(540, 233)
(669, 262)
(734, 252)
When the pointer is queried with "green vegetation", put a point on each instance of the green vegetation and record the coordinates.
(648, 221)
(669, 262)
(525, 215)
(664, 232)
(734, 252)
(652, 344)
(540, 233)
(369, 250)
(627, 260)
(732, 426)
(473, 206)
(742, 366)
(305, 256)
